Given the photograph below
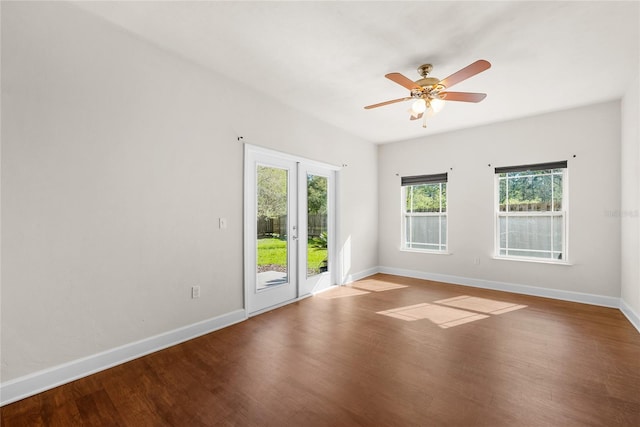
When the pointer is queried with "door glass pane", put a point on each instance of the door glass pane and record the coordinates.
(317, 243)
(271, 246)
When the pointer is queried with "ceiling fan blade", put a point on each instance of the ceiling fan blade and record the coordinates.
(393, 101)
(402, 80)
(462, 96)
(418, 117)
(468, 71)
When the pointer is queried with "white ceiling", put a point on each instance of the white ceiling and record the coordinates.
(328, 59)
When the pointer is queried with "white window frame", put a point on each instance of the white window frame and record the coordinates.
(562, 215)
(406, 243)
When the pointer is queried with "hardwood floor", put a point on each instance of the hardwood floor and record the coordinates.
(388, 351)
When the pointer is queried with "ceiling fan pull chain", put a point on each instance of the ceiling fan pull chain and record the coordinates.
(424, 121)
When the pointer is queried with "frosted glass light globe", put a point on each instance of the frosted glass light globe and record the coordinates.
(419, 106)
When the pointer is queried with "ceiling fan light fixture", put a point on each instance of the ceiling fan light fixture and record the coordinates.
(428, 93)
(419, 106)
(436, 105)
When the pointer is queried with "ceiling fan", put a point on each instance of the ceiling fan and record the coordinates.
(429, 92)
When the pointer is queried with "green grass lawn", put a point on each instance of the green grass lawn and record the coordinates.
(274, 252)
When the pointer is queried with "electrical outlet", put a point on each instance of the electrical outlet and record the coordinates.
(476, 261)
(195, 292)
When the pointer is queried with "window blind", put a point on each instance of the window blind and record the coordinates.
(535, 167)
(424, 179)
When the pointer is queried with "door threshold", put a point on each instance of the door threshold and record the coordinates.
(282, 304)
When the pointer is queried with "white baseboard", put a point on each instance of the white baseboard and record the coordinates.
(28, 385)
(585, 298)
(633, 317)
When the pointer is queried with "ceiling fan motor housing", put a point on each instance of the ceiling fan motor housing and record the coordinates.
(427, 81)
(428, 84)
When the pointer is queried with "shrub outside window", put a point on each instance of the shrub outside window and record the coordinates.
(424, 213)
(531, 212)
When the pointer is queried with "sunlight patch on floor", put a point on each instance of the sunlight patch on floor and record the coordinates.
(360, 287)
(445, 317)
(483, 305)
(443, 313)
(341, 292)
(377, 285)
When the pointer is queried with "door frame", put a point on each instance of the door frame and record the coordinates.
(251, 152)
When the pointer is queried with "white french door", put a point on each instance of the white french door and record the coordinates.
(289, 228)
(316, 190)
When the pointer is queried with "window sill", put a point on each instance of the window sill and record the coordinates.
(425, 251)
(533, 260)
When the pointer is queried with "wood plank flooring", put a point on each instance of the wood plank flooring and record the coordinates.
(388, 351)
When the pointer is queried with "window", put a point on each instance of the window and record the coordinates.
(424, 212)
(531, 211)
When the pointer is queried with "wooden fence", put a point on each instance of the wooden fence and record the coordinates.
(317, 224)
(530, 207)
(277, 226)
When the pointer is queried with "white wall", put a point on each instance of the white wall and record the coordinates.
(591, 133)
(117, 160)
(630, 207)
